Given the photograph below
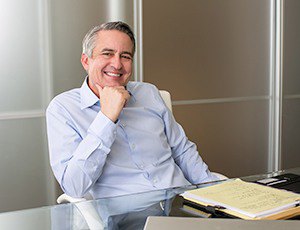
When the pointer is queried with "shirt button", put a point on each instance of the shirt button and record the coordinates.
(133, 146)
(142, 166)
(154, 181)
(124, 125)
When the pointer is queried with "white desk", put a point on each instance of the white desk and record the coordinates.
(114, 210)
(179, 223)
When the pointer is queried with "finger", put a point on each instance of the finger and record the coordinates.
(126, 95)
(119, 87)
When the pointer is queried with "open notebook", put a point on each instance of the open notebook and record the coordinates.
(247, 200)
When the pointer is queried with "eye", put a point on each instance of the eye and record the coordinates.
(107, 54)
(126, 56)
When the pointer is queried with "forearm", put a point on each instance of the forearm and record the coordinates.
(77, 161)
(85, 167)
(193, 167)
(185, 153)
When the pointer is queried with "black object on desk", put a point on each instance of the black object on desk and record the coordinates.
(288, 181)
(206, 211)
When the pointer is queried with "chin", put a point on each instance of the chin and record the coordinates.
(114, 84)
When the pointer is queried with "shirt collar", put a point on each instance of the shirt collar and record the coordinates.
(88, 98)
(130, 89)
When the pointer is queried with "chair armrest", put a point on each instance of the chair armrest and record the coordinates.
(220, 176)
(64, 198)
(86, 209)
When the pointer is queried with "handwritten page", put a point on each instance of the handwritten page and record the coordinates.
(247, 198)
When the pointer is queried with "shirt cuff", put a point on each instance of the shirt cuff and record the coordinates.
(104, 129)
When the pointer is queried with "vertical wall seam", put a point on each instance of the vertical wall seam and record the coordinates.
(271, 84)
(46, 51)
(275, 106)
(138, 31)
(280, 84)
(47, 79)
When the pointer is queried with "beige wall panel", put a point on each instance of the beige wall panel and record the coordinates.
(291, 85)
(24, 166)
(291, 133)
(232, 138)
(291, 67)
(70, 22)
(21, 73)
(207, 49)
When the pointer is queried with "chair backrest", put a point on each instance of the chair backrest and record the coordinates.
(166, 96)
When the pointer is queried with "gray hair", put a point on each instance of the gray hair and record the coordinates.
(89, 40)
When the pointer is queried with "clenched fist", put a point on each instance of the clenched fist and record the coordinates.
(112, 100)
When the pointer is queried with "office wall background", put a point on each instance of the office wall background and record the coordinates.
(213, 56)
(219, 61)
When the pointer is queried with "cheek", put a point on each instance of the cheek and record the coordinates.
(96, 69)
(128, 68)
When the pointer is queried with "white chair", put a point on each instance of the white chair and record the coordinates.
(166, 96)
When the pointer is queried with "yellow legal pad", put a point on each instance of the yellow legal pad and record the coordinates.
(247, 200)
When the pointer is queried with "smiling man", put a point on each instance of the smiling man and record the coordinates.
(113, 136)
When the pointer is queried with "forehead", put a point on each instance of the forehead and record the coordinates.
(114, 39)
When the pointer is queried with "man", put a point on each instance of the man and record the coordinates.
(112, 136)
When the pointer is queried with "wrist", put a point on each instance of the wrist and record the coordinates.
(110, 116)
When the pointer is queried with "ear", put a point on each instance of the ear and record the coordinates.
(85, 61)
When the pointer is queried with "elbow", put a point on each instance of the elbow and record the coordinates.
(76, 188)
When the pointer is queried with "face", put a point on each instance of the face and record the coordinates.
(111, 61)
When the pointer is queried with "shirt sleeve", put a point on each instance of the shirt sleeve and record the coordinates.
(77, 162)
(185, 152)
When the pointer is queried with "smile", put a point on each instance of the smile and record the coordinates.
(111, 74)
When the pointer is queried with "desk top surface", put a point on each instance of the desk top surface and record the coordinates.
(117, 212)
(178, 223)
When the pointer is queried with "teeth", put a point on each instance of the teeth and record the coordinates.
(113, 74)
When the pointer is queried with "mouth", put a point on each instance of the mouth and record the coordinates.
(112, 74)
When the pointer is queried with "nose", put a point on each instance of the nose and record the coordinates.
(116, 62)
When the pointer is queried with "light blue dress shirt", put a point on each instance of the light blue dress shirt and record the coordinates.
(145, 150)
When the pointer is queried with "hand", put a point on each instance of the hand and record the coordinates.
(112, 100)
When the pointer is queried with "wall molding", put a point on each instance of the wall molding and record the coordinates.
(290, 96)
(219, 100)
(25, 114)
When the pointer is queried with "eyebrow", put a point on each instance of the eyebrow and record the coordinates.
(111, 50)
(107, 49)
